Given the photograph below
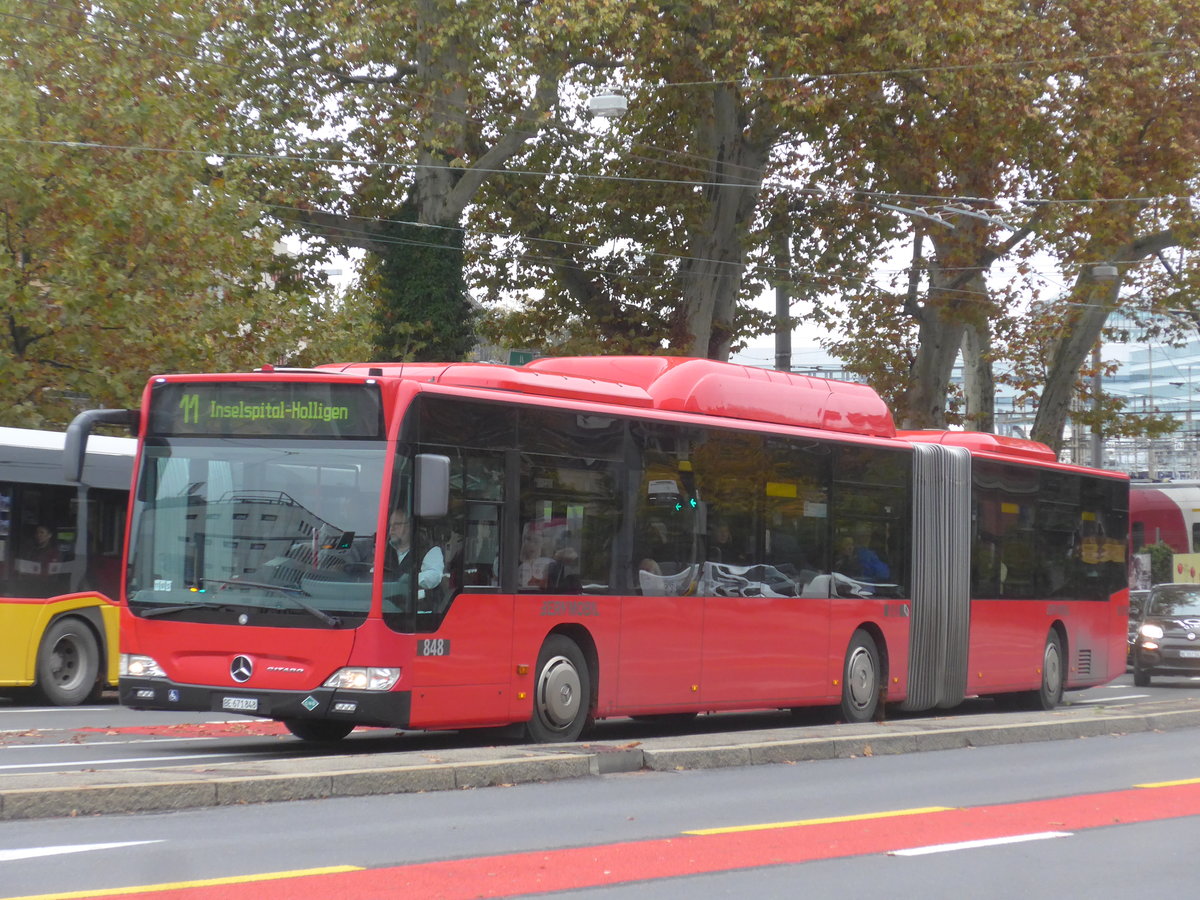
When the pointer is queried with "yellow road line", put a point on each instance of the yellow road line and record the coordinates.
(1156, 784)
(799, 822)
(179, 885)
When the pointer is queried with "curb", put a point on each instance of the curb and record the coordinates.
(228, 784)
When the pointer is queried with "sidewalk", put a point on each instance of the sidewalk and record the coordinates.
(225, 784)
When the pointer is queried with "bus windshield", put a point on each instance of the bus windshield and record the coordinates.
(254, 528)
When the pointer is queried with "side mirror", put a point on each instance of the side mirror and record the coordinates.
(75, 446)
(431, 486)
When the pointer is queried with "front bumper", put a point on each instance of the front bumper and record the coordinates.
(389, 709)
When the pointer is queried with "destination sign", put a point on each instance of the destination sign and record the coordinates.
(267, 409)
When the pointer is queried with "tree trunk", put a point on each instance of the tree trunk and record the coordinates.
(979, 381)
(711, 276)
(1092, 302)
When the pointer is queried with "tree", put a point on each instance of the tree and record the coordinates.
(1089, 112)
(1136, 124)
(654, 237)
(121, 254)
(417, 105)
(937, 131)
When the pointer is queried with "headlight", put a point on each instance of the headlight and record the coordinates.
(1152, 631)
(140, 666)
(363, 678)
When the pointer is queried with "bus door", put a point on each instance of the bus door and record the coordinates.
(766, 572)
(662, 623)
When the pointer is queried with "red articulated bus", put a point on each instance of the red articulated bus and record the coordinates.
(446, 546)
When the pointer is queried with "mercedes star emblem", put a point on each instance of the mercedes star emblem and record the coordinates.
(241, 669)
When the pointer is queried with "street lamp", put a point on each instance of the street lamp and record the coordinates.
(609, 105)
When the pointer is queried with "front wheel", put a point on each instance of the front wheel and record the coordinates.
(68, 664)
(860, 679)
(1141, 678)
(562, 693)
(321, 731)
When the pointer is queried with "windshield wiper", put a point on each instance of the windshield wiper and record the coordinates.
(185, 607)
(289, 592)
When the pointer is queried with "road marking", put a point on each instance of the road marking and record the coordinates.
(164, 760)
(971, 845)
(1109, 699)
(70, 746)
(202, 883)
(53, 709)
(1164, 784)
(862, 817)
(34, 852)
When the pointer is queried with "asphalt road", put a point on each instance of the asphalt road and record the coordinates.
(52, 764)
(1102, 817)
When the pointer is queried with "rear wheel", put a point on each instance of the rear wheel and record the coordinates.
(860, 679)
(1050, 694)
(68, 664)
(562, 693)
(319, 730)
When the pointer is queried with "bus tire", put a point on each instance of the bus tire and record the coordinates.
(321, 731)
(562, 692)
(68, 664)
(860, 679)
(1050, 694)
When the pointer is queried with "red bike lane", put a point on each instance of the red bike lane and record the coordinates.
(717, 850)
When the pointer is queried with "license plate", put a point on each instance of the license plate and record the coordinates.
(242, 704)
(1190, 654)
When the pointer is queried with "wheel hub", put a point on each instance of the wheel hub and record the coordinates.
(558, 692)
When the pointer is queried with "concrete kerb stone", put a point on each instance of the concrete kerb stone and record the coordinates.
(411, 780)
(162, 790)
(59, 802)
(551, 767)
(1164, 721)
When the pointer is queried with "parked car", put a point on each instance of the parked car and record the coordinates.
(1167, 641)
(1137, 600)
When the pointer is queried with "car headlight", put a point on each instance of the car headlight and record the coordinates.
(1152, 631)
(136, 666)
(364, 678)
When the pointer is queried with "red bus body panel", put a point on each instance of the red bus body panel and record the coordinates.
(1007, 636)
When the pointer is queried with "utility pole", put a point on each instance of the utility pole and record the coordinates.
(783, 295)
(1101, 275)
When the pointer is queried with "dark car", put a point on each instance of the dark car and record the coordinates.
(1137, 601)
(1168, 633)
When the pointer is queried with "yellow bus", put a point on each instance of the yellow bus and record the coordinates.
(60, 557)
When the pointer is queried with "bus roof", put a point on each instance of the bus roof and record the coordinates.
(35, 457)
(983, 442)
(31, 439)
(678, 384)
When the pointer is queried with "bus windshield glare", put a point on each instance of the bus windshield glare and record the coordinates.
(256, 527)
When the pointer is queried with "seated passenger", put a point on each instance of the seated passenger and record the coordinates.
(723, 549)
(532, 566)
(858, 560)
